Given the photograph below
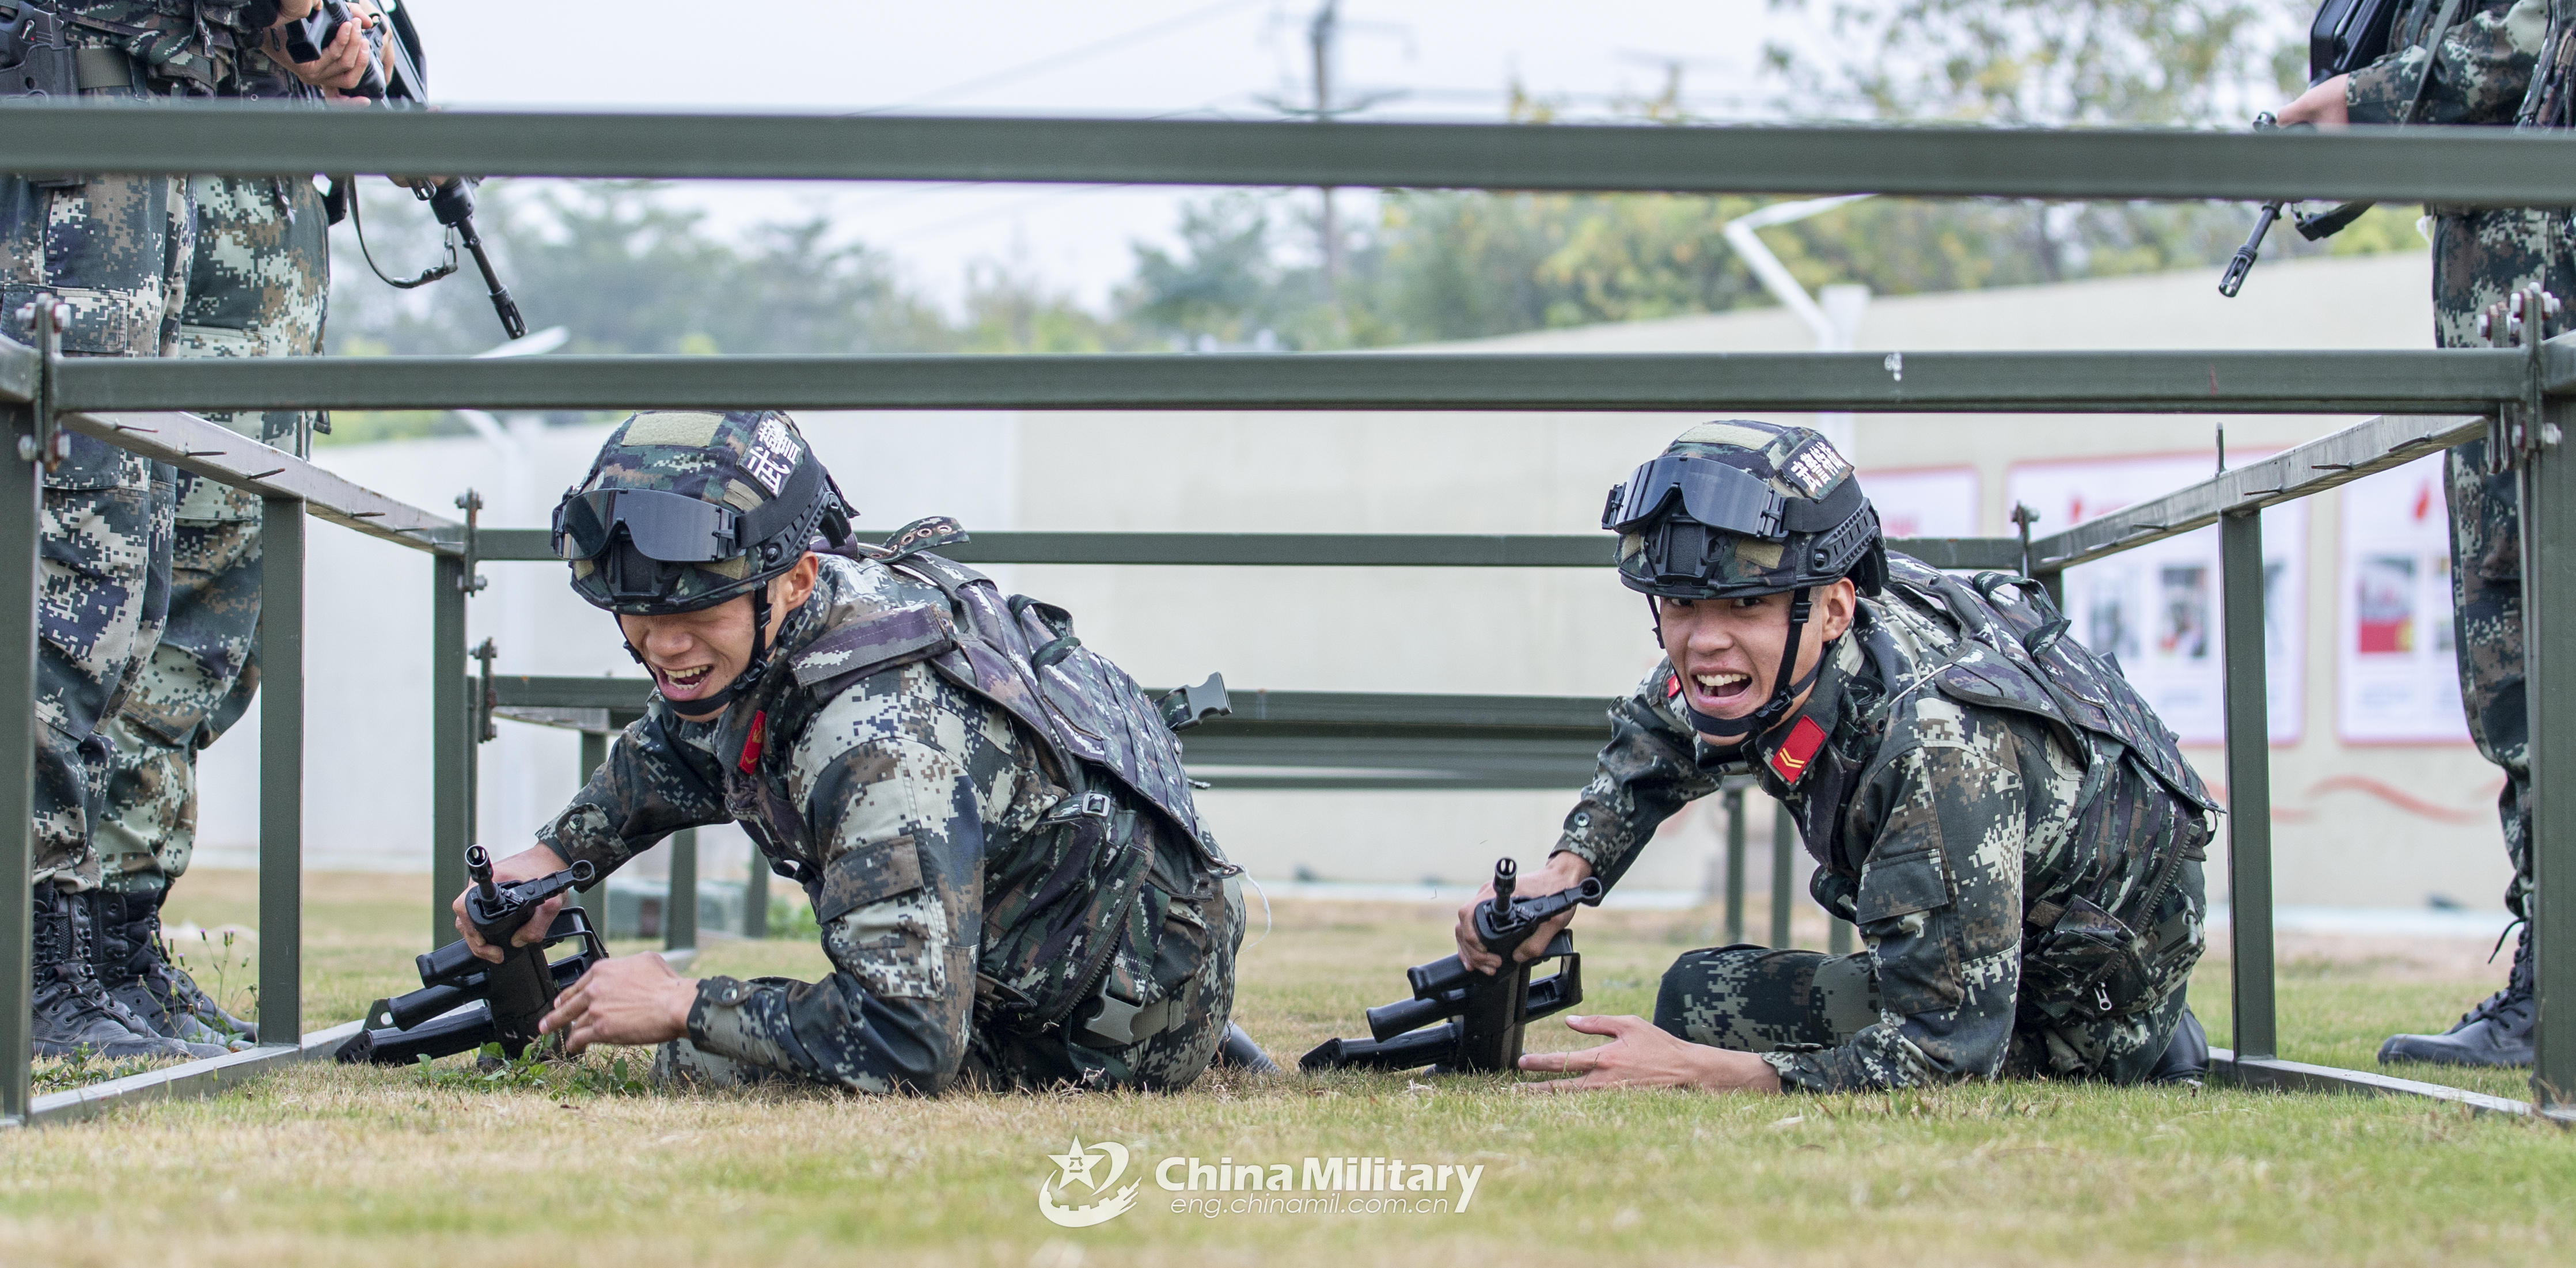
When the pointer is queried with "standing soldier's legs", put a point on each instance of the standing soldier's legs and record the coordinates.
(112, 251)
(2479, 260)
(257, 288)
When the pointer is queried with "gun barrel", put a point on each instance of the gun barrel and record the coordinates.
(426, 1003)
(1386, 1021)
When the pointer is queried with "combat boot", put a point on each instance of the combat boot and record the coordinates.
(137, 972)
(72, 1016)
(2497, 1032)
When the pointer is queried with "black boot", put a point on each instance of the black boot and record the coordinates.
(138, 974)
(72, 1016)
(2186, 1059)
(2497, 1032)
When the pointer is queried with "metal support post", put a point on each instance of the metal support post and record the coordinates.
(22, 501)
(594, 754)
(755, 896)
(281, 770)
(451, 747)
(680, 909)
(1784, 849)
(2549, 669)
(1734, 867)
(1838, 936)
(2249, 785)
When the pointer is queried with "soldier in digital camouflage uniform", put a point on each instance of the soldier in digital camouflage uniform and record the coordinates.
(2014, 833)
(1013, 883)
(2478, 71)
(258, 285)
(115, 253)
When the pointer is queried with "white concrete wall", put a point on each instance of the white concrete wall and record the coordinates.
(1463, 630)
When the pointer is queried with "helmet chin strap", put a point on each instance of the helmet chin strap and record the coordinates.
(1728, 732)
(751, 670)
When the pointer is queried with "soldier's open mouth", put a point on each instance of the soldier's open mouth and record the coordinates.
(1722, 686)
(683, 684)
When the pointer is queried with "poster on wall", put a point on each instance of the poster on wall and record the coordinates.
(1924, 501)
(2396, 677)
(2155, 609)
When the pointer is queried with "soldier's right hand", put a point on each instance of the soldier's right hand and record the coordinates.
(527, 864)
(1563, 871)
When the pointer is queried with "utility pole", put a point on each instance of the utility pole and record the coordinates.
(1320, 36)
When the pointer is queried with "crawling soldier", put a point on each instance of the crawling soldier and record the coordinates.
(991, 820)
(2012, 830)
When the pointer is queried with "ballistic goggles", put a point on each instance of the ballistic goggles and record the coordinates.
(668, 528)
(1727, 498)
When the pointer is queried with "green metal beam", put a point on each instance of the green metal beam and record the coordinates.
(2549, 682)
(2249, 785)
(2359, 450)
(2422, 381)
(451, 745)
(21, 528)
(229, 458)
(1309, 550)
(19, 366)
(281, 770)
(2495, 168)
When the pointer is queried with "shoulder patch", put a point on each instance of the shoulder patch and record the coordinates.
(1789, 761)
(899, 636)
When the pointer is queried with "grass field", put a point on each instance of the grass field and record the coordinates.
(335, 1165)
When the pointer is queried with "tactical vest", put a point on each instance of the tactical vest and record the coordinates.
(1056, 908)
(2120, 933)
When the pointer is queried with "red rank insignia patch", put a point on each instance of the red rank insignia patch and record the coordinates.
(1789, 761)
(759, 731)
(1672, 686)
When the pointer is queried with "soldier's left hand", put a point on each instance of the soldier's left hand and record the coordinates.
(1641, 1054)
(632, 999)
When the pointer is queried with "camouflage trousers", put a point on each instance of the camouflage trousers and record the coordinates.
(2479, 259)
(199, 680)
(257, 287)
(1754, 999)
(1162, 1046)
(115, 250)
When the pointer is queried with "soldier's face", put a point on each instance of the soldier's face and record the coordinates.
(694, 655)
(1727, 651)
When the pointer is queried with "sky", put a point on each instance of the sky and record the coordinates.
(1405, 59)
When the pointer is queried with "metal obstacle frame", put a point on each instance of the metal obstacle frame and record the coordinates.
(2431, 399)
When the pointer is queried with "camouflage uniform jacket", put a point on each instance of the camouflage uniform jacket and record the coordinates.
(2479, 75)
(1982, 828)
(974, 866)
(184, 47)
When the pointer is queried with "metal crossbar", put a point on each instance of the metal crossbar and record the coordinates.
(134, 404)
(2486, 167)
(2213, 382)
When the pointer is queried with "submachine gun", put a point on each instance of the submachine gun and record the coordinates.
(2346, 36)
(1460, 1021)
(464, 1003)
(400, 81)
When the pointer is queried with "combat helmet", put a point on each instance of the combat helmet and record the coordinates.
(683, 510)
(1738, 508)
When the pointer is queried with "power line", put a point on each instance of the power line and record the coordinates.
(1061, 60)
